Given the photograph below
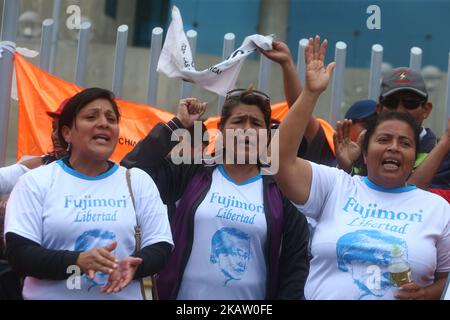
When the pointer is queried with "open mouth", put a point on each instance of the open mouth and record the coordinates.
(101, 138)
(391, 164)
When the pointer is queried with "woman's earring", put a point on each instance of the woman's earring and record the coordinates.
(68, 147)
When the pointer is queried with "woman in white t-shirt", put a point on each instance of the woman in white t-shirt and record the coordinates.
(362, 220)
(237, 237)
(70, 225)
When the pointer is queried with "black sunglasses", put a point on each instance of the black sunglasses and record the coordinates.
(408, 103)
(238, 92)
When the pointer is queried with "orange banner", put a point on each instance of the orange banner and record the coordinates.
(40, 92)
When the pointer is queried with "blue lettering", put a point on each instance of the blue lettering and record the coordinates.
(350, 203)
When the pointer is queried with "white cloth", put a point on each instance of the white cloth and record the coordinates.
(230, 230)
(10, 175)
(11, 47)
(176, 59)
(358, 222)
(61, 209)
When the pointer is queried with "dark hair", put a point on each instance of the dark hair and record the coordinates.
(369, 119)
(247, 97)
(78, 102)
(391, 115)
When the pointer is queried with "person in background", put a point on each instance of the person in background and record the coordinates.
(78, 212)
(10, 175)
(10, 282)
(403, 90)
(360, 113)
(350, 134)
(317, 144)
(439, 157)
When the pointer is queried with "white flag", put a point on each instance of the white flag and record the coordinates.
(176, 59)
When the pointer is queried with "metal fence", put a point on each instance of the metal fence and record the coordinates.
(48, 52)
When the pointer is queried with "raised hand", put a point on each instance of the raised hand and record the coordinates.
(99, 259)
(280, 53)
(317, 75)
(347, 151)
(190, 110)
(122, 275)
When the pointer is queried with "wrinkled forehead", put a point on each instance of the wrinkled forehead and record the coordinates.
(249, 110)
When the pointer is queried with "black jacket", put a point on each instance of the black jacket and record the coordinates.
(176, 184)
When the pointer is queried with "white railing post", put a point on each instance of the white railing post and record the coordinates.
(228, 48)
(119, 60)
(55, 31)
(375, 71)
(83, 44)
(9, 31)
(301, 64)
(415, 59)
(337, 85)
(186, 87)
(46, 44)
(155, 52)
(265, 67)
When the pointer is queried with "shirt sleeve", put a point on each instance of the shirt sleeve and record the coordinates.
(324, 181)
(443, 245)
(150, 210)
(10, 175)
(24, 210)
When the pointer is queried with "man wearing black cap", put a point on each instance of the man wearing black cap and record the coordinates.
(403, 90)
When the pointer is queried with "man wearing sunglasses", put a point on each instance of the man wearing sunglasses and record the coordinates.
(404, 90)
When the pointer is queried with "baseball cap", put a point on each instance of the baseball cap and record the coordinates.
(58, 111)
(361, 110)
(401, 79)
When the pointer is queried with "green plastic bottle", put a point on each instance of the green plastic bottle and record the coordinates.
(399, 267)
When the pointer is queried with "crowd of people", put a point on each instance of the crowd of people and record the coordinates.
(324, 225)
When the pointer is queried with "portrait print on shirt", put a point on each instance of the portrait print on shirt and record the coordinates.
(88, 241)
(230, 250)
(366, 255)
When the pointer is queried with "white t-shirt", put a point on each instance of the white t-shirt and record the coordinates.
(358, 224)
(230, 231)
(62, 209)
(10, 175)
